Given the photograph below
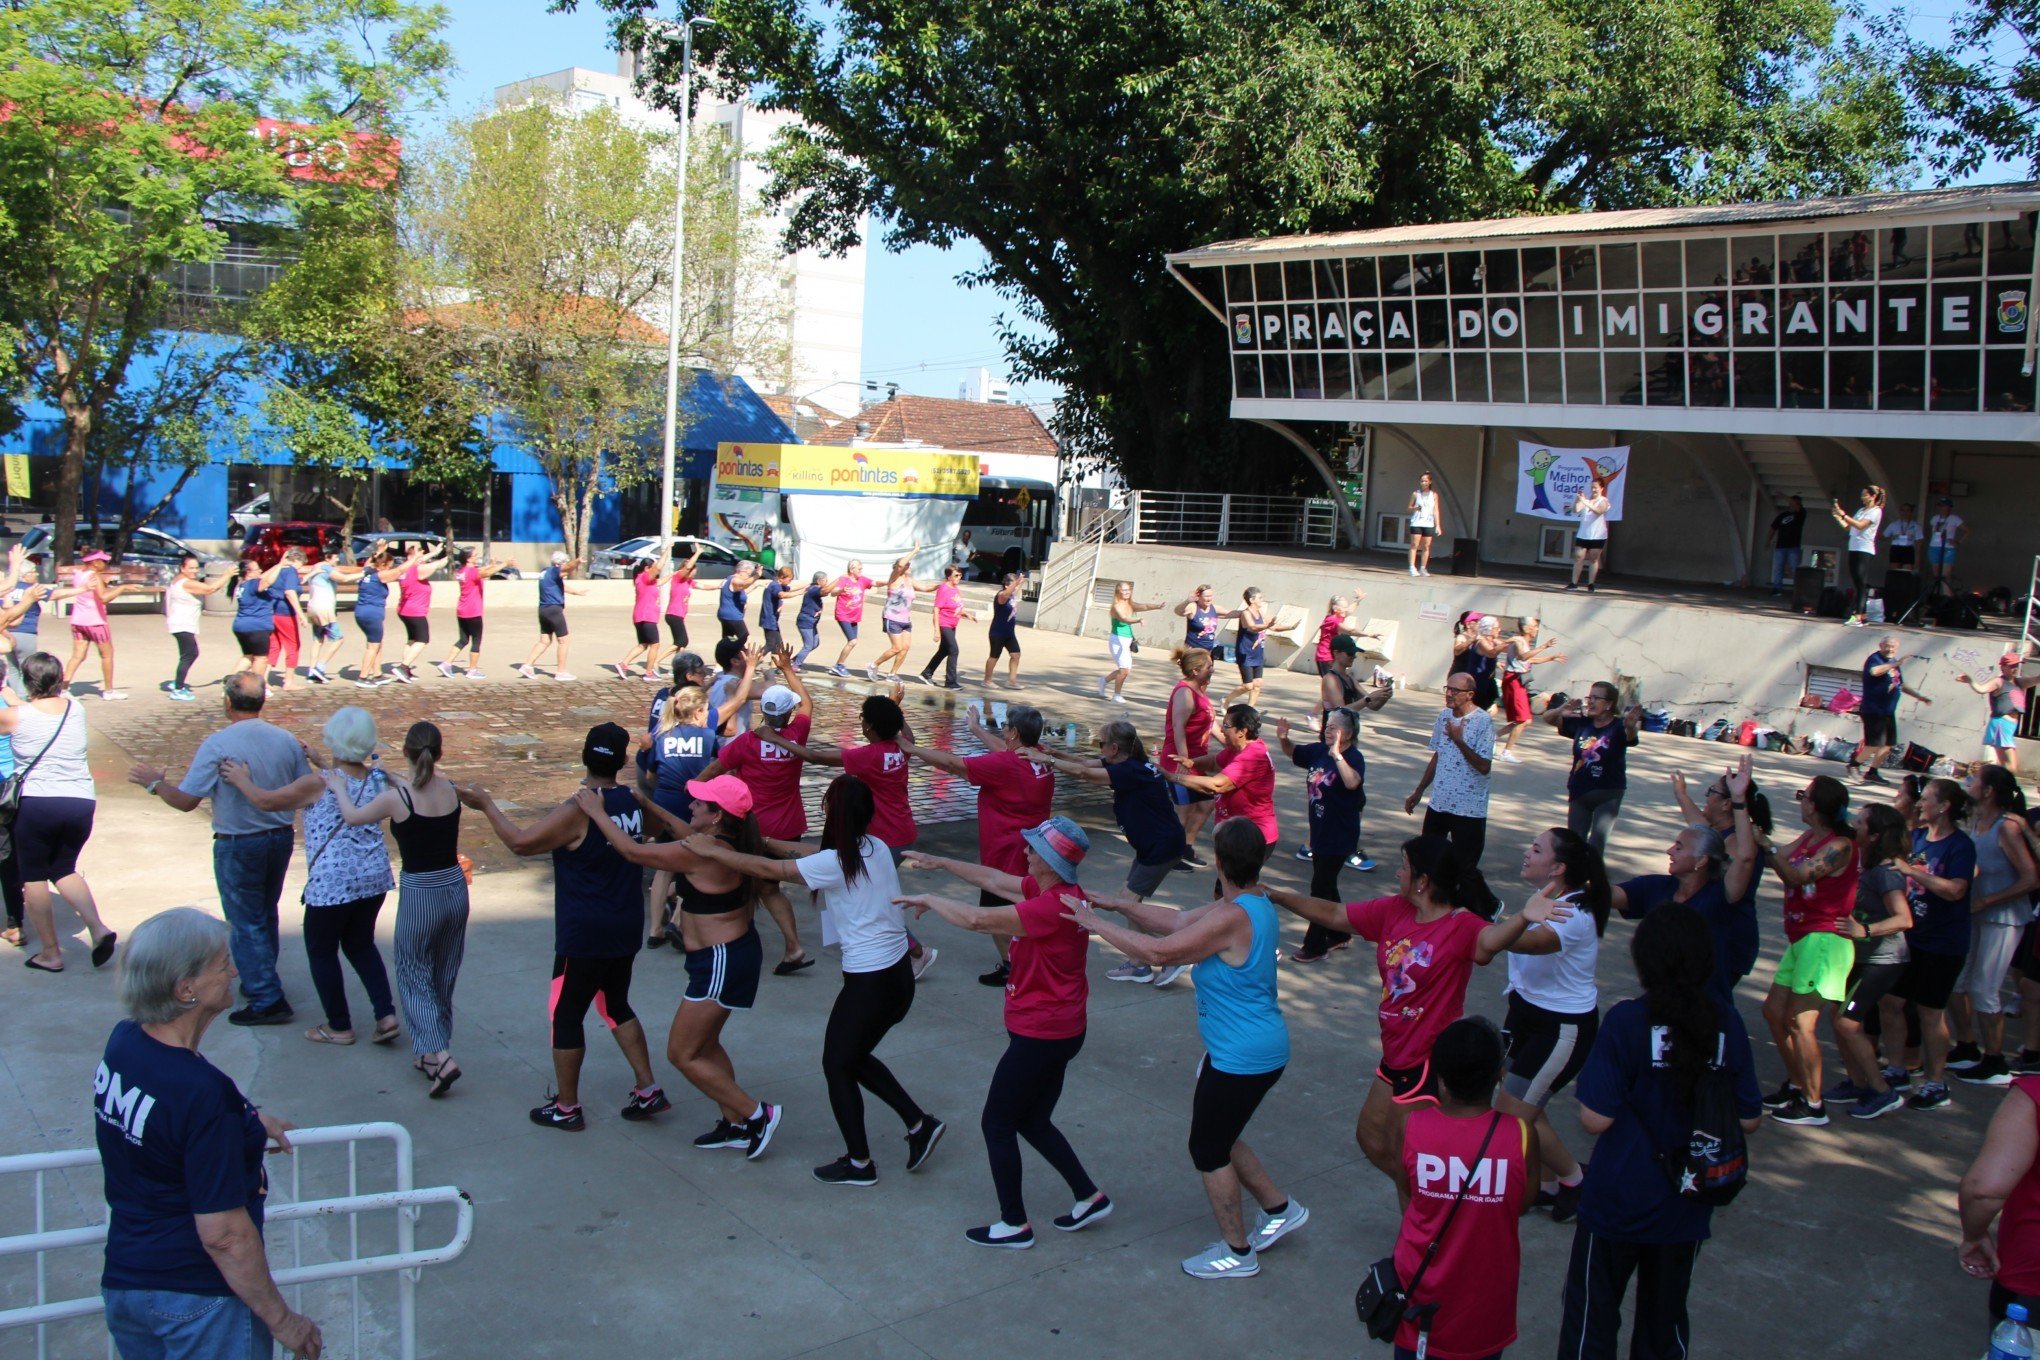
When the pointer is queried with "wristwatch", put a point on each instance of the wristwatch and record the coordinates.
(153, 785)
(1740, 807)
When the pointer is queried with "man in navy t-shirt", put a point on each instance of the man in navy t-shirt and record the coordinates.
(553, 590)
(1883, 683)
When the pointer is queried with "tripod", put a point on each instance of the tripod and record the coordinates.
(1935, 589)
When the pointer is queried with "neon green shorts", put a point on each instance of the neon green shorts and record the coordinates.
(1817, 963)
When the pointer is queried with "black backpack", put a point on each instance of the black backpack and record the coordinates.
(1715, 1163)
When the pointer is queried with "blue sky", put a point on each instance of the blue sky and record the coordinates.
(922, 329)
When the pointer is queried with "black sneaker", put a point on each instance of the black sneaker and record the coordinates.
(1932, 1095)
(1190, 860)
(1962, 1057)
(1898, 1079)
(843, 1171)
(643, 1105)
(997, 977)
(758, 1133)
(1566, 1203)
(1781, 1097)
(990, 1236)
(1085, 1214)
(553, 1117)
(276, 1013)
(723, 1135)
(920, 1144)
(1799, 1111)
(1873, 777)
(2027, 1063)
(1992, 1071)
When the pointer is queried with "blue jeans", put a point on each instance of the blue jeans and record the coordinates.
(1784, 568)
(156, 1324)
(810, 638)
(249, 872)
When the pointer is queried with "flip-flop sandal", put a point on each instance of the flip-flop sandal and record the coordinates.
(385, 1036)
(787, 967)
(102, 952)
(442, 1079)
(319, 1034)
(30, 962)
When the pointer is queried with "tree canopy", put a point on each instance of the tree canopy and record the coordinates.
(1078, 141)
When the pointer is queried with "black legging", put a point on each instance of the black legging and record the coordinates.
(10, 888)
(738, 629)
(1020, 1104)
(1859, 576)
(868, 1006)
(944, 648)
(1324, 884)
(187, 654)
(348, 928)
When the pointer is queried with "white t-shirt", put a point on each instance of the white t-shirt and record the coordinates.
(1944, 530)
(862, 914)
(181, 608)
(1864, 540)
(1562, 982)
(1593, 523)
(1903, 533)
(1425, 515)
(320, 599)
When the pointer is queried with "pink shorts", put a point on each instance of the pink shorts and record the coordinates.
(91, 632)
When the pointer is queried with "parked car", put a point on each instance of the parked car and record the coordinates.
(623, 559)
(398, 541)
(153, 551)
(249, 514)
(265, 543)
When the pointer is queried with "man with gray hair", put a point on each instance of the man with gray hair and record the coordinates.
(251, 848)
(552, 615)
(1883, 683)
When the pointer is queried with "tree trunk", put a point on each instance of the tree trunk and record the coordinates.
(70, 476)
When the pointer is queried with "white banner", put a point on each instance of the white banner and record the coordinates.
(1548, 479)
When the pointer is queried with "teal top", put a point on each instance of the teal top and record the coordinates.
(1122, 628)
(1239, 1016)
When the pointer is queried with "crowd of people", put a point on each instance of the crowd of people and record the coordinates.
(1902, 925)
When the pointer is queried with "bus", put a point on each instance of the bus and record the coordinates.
(1010, 525)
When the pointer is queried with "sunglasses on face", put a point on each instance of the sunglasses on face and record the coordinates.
(1802, 795)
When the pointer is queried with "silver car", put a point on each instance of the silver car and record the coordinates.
(622, 561)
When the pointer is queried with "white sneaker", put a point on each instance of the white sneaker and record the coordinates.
(1220, 1262)
(562, 675)
(527, 672)
(1119, 699)
(1270, 1229)
(1425, 572)
(1168, 975)
(476, 675)
(654, 678)
(1103, 691)
(925, 962)
(871, 673)
(622, 673)
(1131, 972)
(113, 695)
(1509, 756)
(1413, 571)
(446, 668)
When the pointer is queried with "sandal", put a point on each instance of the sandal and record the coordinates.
(383, 1036)
(11, 935)
(30, 962)
(319, 1034)
(444, 1074)
(787, 967)
(102, 952)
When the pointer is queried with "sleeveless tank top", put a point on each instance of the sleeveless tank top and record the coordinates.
(1238, 1014)
(61, 743)
(2004, 703)
(598, 902)
(1995, 873)
(1822, 904)
(426, 844)
(1196, 729)
(1003, 615)
(2019, 1223)
(1200, 629)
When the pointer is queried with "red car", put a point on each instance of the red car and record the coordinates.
(266, 543)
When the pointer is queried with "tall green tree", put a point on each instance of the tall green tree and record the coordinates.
(1981, 91)
(1078, 141)
(135, 128)
(538, 247)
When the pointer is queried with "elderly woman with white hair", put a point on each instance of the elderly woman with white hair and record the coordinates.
(347, 874)
(552, 615)
(181, 1150)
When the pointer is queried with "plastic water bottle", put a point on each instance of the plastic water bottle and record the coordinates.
(2009, 1340)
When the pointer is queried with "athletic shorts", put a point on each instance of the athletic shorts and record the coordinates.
(676, 629)
(1591, 544)
(1515, 699)
(1929, 979)
(647, 632)
(1143, 879)
(1545, 1049)
(1819, 963)
(2001, 734)
(727, 974)
(1184, 797)
(1870, 985)
(1943, 556)
(49, 833)
(1417, 531)
(848, 629)
(1220, 1109)
(470, 638)
(417, 628)
(552, 620)
(1880, 729)
(329, 631)
(894, 627)
(91, 632)
(1327, 667)
(1120, 649)
(1409, 1085)
(578, 983)
(1250, 671)
(252, 642)
(371, 626)
(1003, 642)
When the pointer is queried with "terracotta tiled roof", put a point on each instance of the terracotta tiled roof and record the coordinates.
(804, 418)
(967, 426)
(600, 317)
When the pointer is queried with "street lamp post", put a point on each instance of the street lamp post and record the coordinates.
(673, 302)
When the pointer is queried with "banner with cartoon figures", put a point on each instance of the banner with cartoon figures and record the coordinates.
(1549, 479)
(839, 470)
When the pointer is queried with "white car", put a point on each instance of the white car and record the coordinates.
(622, 560)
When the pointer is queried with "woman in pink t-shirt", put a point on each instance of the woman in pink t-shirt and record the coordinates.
(949, 611)
(89, 594)
(679, 594)
(414, 608)
(644, 620)
(1338, 619)
(1240, 772)
(849, 591)
(1428, 939)
(467, 615)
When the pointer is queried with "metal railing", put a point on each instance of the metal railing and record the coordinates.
(405, 1262)
(1076, 569)
(1222, 519)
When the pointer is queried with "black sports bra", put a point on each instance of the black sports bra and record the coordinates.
(697, 902)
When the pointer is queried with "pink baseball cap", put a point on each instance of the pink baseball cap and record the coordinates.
(95, 556)
(726, 791)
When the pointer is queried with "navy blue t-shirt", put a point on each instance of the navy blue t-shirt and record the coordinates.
(1140, 802)
(176, 1138)
(1880, 692)
(1600, 755)
(1941, 926)
(373, 597)
(1627, 1196)
(770, 605)
(286, 581)
(810, 607)
(680, 753)
(598, 895)
(253, 612)
(552, 588)
(1733, 925)
(1334, 808)
(729, 605)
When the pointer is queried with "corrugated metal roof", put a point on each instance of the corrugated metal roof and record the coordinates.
(1883, 209)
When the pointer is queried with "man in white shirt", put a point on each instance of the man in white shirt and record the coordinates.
(1904, 532)
(1945, 532)
(1462, 757)
(959, 556)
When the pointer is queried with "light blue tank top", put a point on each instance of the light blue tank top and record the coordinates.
(1994, 873)
(1238, 1014)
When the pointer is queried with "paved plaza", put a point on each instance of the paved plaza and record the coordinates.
(625, 1240)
